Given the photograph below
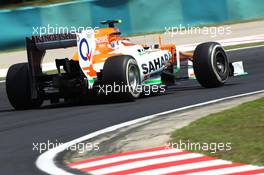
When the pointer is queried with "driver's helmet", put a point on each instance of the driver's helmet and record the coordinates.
(116, 40)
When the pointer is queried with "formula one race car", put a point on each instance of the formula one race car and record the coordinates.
(108, 63)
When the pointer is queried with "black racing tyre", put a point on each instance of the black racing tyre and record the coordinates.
(210, 65)
(122, 71)
(18, 88)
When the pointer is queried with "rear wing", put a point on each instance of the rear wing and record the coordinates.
(54, 41)
(36, 49)
(37, 46)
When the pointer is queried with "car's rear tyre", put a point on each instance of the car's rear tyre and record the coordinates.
(18, 88)
(122, 71)
(210, 64)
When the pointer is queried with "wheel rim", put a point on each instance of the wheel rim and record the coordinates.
(133, 78)
(221, 64)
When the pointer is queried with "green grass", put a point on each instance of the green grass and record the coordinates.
(50, 72)
(242, 126)
(240, 46)
(2, 78)
(244, 45)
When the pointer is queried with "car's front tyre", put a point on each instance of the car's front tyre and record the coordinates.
(210, 64)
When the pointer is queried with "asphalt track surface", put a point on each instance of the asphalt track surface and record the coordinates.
(62, 123)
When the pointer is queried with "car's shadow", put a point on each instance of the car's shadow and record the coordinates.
(6, 110)
(105, 100)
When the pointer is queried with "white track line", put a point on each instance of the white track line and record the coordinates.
(228, 42)
(46, 162)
